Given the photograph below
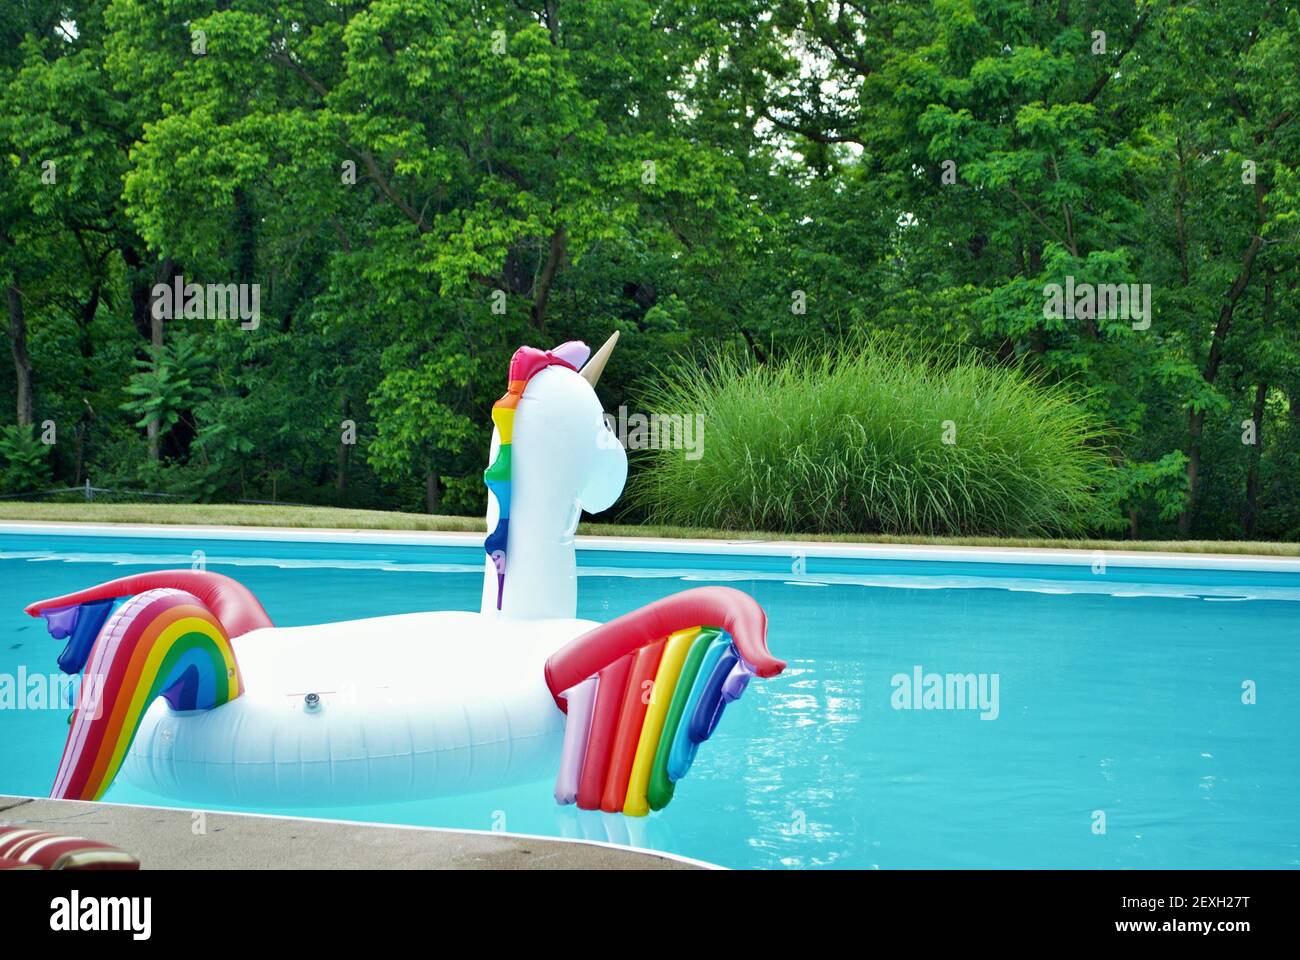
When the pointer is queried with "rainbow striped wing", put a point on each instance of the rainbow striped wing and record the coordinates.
(633, 729)
(160, 643)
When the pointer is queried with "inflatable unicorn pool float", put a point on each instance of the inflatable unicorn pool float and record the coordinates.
(191, 692)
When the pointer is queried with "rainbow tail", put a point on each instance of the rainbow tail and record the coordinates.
(644, 691)
(163, 642)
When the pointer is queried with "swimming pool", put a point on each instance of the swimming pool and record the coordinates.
(1108, 722)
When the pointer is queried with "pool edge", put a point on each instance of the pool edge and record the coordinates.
(784, 548)
(165, 838)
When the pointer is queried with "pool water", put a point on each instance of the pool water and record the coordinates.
(1115, 728)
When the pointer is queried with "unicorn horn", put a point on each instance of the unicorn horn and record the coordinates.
(594, 367)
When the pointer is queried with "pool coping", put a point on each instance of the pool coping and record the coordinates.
(164, 838)
(781, 548)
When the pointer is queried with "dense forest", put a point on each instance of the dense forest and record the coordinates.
(1102, 197)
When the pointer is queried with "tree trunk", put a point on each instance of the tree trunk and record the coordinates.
(1195, 424)
(1180, 217)
(542, 289)
(1038, 334)
(156, 340)
(432, 499)
(341, 470)
(22, 363)
(86, 345)
(1196, 418)
(79, 458)
(1251, 514)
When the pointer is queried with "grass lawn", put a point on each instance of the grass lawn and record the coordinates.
(335, 518)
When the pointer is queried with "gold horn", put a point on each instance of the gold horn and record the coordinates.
(593, 368)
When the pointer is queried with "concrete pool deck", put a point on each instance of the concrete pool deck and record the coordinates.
(166, 839)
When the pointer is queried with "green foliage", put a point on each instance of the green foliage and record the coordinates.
(420, 186)
(1114, 142)
(167, 386)
(24, 461)
(871, 440)
(418, 413)
(1159, 487)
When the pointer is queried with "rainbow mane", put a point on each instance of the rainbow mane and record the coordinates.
(524, 365)
(160, 643)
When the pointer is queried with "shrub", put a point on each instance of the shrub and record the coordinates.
(858, 441)
(24, 460)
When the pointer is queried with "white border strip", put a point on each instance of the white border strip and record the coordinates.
(776, 548)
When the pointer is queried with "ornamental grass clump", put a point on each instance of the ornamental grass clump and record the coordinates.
(871, 440)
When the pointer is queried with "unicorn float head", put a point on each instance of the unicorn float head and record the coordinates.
(552, 457)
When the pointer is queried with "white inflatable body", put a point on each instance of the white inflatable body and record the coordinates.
(411, 706)
(425, 704)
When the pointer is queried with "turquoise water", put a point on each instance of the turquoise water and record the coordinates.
(1119, 693)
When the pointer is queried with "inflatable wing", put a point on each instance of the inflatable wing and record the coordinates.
(172, 639)
(642, 693)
